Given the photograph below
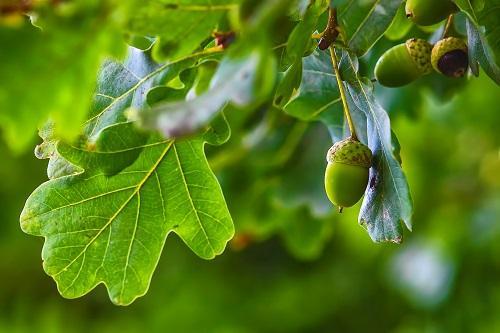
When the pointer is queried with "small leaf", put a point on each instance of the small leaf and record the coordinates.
(201, 83)
(298, 43)
(139, 42)
(289, 82)
(58, 166)
(300, 40)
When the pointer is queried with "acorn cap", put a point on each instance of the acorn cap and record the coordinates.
(350, 152)
(420, 53)
(456, 50)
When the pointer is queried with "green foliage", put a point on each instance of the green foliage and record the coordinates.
(180, 26)
(400, 26)
(387, 200)
(242, 81)
(364, 22)
(112, 228)
(127, 160)
(69, 45)
(483, 35)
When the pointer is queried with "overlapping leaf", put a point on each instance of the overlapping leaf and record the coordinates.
(298, 44)
(242, 81)
(318, 93)
(300, 38)
(364, 22)
(483, 35)
(400, 26)
(180, 25)
(108, 223)
(318, 96)
(245, 77)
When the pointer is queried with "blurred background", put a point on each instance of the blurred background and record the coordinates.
(295, 264)
(298, 266)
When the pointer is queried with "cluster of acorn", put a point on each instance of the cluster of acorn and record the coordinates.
(406, 62)
(349, 161)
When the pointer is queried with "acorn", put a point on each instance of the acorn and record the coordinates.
(404, 63)
(346, 175)
(429, 12)
(450, 57)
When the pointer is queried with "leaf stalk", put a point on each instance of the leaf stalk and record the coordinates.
(448, 26)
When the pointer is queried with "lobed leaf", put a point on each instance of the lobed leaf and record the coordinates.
(111, 230)
(107, 220)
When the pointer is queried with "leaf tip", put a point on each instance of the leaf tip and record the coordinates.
(396, 240)
(28, 224)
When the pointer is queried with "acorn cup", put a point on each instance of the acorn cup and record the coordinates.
(404, 63)
(429, 12)
(346, 175)
(450, 57)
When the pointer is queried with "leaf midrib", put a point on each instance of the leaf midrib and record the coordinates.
(112, 152)
(380, 138)
(364, 21)
(138, 187)
(191, 202)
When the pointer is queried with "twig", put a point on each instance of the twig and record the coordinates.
(331, 32)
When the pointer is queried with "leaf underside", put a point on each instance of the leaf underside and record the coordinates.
(387, 201)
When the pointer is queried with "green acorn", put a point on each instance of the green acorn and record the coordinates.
(429, 12)
(450, 57)
(404, 63)
(346, 175)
